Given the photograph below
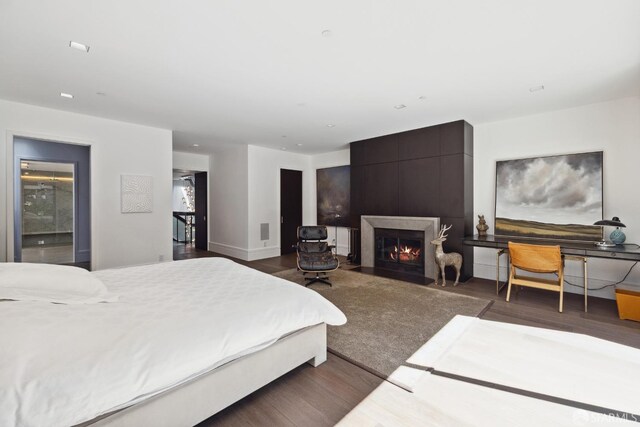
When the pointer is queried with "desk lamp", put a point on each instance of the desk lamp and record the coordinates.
(617, 236)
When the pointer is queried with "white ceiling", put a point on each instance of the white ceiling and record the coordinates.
(256, 71)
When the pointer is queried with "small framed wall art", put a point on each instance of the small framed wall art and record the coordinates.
(136, 192)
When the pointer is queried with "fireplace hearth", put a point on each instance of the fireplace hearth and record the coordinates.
(401, 250)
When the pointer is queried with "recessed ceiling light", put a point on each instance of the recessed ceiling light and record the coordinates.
(422, 98)
(327, 33)
(399, 106)
(66, 95)
(196, 145)
(101, 94)
(536, 88)
(79, 46)
(299, 145)
(283, 148)
(283, 136)
(331, 125)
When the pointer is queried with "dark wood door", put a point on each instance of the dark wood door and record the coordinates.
(201, 195)
(290, 209)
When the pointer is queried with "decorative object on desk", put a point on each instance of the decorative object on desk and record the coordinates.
(136, 193)
(482, 226)
(554, 197)
(333, 196)
(617, 236)
(443, 260)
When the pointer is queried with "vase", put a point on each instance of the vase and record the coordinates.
(617, 236)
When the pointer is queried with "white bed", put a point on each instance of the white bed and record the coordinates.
(203, 332)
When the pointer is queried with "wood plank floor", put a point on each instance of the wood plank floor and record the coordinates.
(322, 396)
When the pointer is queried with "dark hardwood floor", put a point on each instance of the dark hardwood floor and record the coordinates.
(321, 396)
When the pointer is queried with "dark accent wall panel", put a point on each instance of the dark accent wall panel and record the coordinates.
(382, 180)
(451, 194)
(419, 187)
(382, 149)
(419, 143)
(357, 197)
(421, 172)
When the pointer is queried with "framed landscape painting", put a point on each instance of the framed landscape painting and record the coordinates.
(333, 192)
(553, 197)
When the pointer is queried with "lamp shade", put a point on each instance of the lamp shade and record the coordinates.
(614, 222)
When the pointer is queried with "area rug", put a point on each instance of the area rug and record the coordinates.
(387, 320)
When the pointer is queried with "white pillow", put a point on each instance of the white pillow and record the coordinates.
(51, 283)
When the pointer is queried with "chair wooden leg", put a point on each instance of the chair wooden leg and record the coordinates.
(561, 280)
(509, 287)
(561, 290)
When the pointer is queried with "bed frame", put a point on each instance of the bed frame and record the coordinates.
(198, 399)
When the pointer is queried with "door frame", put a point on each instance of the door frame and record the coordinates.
(280, 216)
(206, 208)
(7, 249)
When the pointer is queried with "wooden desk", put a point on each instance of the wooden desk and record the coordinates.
(578, 251)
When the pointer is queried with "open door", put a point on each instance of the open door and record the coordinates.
(200, 205)
(290, 209)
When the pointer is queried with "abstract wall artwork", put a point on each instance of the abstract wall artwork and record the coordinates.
(333, 192)
(136, 193)
(554, 197)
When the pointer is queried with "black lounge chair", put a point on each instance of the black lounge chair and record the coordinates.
(314, 255)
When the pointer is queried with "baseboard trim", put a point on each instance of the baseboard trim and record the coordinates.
(229, 250)
(244, 254)
(261, 253)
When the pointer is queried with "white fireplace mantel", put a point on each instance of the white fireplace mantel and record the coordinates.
(429, 225)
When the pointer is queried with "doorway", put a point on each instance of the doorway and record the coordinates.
(190, 206)
(52, 202)
(47, 212)
(290, 209)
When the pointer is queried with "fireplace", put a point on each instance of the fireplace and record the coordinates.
(401, 250)
(426, 226)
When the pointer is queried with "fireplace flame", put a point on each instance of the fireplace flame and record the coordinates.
(406, 253)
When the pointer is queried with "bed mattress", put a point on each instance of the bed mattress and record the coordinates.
(62, 365)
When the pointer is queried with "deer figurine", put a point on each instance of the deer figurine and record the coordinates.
(454, 259)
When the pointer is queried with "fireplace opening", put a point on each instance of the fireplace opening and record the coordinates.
(401, 250)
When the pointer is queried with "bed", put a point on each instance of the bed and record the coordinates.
(184, 340)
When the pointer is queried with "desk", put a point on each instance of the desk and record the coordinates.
(571, 250)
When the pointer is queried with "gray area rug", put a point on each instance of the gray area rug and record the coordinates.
(387, 320)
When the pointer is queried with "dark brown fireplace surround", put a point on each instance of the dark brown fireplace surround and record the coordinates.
(424, 172)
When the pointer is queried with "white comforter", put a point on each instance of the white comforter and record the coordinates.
(61, 365)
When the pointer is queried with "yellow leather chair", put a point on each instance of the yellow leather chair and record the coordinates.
(536, 259)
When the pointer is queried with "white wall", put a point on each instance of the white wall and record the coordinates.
(321, 161)
(249, 176)
(264, 196)
(190, 161)
(116, 148)
(613, 127)
(229, 201)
